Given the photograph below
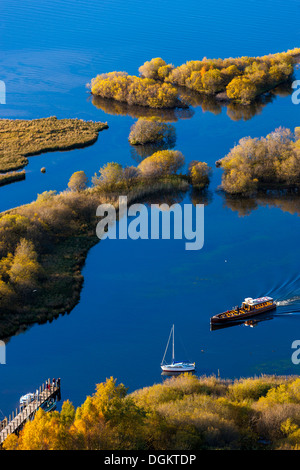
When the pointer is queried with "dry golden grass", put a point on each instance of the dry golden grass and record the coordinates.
(20, 138)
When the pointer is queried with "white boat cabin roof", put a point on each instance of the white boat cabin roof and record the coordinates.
(260, 300)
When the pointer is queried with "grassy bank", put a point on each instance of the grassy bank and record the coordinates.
(182, 413)
(11, 177)
(21, 139)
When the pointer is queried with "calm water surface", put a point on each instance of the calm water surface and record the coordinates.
(135, 290)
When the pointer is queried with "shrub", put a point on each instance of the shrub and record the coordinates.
(250, 389)
(272, 161)
(146, 131)
(241, 89)
(244, 78)
(162, 163)
(78, 181)
(199, 173)
(135, 90)
(24, 269)
(156, 68)
(110, 174)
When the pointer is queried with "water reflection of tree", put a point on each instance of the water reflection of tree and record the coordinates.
(201, 196)
(118, 108)
(287, 201)
(177, 196)
(235, 111)
(209, 103)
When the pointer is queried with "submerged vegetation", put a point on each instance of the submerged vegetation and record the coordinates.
(182, 413)
(21, 139)
(240, 80)
(266, 163)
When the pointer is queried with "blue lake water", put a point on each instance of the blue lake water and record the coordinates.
(134, 290)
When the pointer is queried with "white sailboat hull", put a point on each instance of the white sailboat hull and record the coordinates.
(178, 367)
(175, 366)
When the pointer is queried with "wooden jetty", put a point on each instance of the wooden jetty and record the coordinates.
(47, 392)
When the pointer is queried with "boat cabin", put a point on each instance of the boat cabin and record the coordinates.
(250, 304)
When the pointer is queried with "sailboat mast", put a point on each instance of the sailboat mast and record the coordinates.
(173, 352)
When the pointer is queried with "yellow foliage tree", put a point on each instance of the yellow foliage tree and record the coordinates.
(162, 163)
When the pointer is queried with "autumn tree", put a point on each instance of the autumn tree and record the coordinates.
(156, 69)
(110, 174)
(199, 173)
(78, 181)
(25, 268)
(241, 89)
(271, 161)
(12, 228)
(150, 130)
(213, 81)
(135, 90)
(162, 163)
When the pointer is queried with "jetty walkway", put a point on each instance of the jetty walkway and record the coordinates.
(46, 395)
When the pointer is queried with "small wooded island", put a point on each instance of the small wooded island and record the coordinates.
(271, 162)
(240, 79)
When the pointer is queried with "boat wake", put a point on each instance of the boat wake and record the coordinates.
(287, 302)
(287, 296)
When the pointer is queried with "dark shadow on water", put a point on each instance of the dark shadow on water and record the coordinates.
(286, 200)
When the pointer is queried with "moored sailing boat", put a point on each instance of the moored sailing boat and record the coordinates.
(175, 366)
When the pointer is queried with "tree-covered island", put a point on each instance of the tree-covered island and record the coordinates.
(271, 162)
(239, 80)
